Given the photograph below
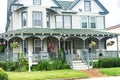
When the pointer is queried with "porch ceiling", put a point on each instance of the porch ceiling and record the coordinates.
(63, 32)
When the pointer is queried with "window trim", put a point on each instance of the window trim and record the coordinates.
(94, 22)
(33, 26)
(89, 6)
(37, 4)
(82, 22)
(26, 19)
(63, 21)
(48, 17)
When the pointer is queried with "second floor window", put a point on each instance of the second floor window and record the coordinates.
(93, 22)
(36, 2)
(87, 6)
(67, 22)
(24, 19)
(37, 19)
(63, 22)
(59, 21)
(84, 22)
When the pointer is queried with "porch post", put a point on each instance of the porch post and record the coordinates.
(23, 43)
(41, 45)
(84, 44)
(117, 47)
(59, 44)
(63, 55)
(7, 49)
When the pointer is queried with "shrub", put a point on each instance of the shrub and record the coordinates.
(107, 63)
(3, 75)
(50, 65)
(95, 64)
(2, 48)
(20, 65)
(23, 64)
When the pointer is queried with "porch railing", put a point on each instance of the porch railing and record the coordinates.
(69, 59)
(103, 53)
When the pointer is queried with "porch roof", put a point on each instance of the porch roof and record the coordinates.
(34, 31)
(84, 32)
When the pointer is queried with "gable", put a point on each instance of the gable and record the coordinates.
(96, 6)
(65, 4)
(50, 3)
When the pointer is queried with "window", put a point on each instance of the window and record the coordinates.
(24, 19)
(59, 21)
(48, 20)
(37, 46)
(87, 6)
(37, 19)
(67, 22)
(63, 22)
(36, 2)
(84, 22)
(93, 24)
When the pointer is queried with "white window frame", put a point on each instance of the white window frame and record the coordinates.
(67, 23)
(87, 6)
(84, 22)
(38, 45)
(37, 19)
(59, 23)
(93, 22)
(36, 2)
(64, 23)
(24, 19)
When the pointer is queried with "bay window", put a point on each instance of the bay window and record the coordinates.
(24, 19)
(37, 19)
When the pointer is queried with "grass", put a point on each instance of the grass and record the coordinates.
(45, 75)
(110, 71)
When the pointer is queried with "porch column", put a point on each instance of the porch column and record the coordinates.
(23, 43)
(99, 43)
(59, 44)
(84, 44)
(99, 47)
(117, 46)
(41, 45)
(7, 49)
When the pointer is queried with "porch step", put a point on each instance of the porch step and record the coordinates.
(79, 65)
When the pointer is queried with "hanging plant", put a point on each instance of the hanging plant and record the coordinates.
(92, 44)
(14, 45)
(110, 43)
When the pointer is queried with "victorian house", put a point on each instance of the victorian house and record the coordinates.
(42, 27)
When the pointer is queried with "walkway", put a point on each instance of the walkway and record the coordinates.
(93, 73)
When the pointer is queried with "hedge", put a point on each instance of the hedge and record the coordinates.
(107, 63)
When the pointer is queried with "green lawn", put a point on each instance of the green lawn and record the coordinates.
(110, 71)
(45, 75)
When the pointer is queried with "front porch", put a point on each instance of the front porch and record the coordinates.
(45, 43)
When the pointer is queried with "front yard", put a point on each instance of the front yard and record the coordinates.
(45, 75)
(110, 71)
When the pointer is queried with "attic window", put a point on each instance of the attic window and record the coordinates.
(87, 6)
(36, 2)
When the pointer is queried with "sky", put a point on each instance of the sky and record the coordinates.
(113, 18)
